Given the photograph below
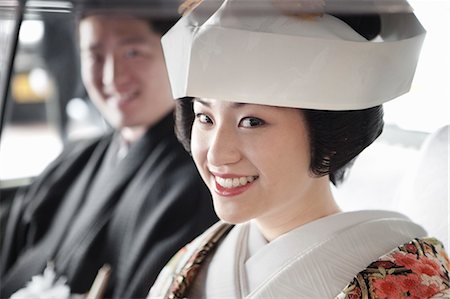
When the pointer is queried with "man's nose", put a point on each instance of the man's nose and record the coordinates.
(115, 74)
(223, 147)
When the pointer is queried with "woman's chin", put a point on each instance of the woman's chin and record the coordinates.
(231, 217)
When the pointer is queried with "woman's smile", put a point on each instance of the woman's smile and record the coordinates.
(231, 185)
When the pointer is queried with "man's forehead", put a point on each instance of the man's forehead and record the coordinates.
(100, 31)
(117, 24)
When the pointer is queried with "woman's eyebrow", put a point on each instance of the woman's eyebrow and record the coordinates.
(233, 104)
(204, 103)
(238, 105)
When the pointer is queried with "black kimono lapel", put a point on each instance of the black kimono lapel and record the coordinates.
(139, 213)
(49, 195)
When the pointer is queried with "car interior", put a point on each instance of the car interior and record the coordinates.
(44, 107)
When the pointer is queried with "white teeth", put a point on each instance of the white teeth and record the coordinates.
(124, 96)
(228, 183)
(235, 182)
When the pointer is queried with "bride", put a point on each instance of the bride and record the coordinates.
(273, 106)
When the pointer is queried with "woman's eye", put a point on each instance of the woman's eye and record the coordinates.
(203, 118)
(250, 122)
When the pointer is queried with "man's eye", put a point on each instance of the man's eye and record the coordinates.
(203, 118)
(250, 122)
(131, 53)
(93, 57)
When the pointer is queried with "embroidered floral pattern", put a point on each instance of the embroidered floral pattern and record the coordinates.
(419, 269)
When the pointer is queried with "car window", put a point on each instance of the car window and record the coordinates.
(426, 107)
(409, 120)
(47, 105)
(9, 23)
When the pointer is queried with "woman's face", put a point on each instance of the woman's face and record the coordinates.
(254, 159)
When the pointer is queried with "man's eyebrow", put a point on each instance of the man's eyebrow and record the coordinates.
(124, 41)
(92, 47)
(133, 40)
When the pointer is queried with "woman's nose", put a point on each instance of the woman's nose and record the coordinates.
(223, 147)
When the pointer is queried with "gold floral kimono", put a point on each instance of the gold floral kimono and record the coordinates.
(316, 260)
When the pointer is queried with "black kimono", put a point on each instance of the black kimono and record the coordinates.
(89, 209)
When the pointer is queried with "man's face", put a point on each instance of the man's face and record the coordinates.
(123, 70)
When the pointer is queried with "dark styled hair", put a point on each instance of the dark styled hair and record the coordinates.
(367, 25)
(336, 138)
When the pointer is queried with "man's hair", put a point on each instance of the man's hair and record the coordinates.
(160, 15)
(158, 25)
(336, 138)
